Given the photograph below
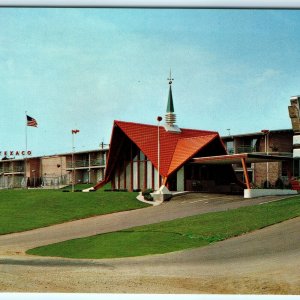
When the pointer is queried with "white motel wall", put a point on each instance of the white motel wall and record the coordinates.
(53, 171)
(253, 193)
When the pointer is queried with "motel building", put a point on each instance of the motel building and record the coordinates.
(53, 171)
(267, 143)
(143, 156)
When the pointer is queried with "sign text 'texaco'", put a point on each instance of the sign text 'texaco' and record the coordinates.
(15, 153)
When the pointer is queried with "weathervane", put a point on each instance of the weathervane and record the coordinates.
(170, 79)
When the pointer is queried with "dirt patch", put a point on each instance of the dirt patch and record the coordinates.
(93, 281)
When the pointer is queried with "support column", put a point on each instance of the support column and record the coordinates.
(119, 176)
(153, 188)
(131, 169)
(246, 173)
(165, 182)
(125, 175)
(131, 175)
(138, 170)
(145, 173)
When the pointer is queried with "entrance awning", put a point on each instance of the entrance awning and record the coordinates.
(242, 158)
(236, 159)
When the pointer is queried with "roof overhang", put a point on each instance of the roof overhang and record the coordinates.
(236, 159)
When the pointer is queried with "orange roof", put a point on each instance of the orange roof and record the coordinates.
(186, 148)
(175, 148)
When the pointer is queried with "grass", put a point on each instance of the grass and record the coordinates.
(179, 234)
(22, 210)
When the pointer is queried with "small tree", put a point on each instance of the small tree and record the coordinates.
(279, 183)
(267, 184)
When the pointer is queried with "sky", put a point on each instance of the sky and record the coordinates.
(83, 68)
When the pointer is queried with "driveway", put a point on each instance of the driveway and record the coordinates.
(178, 207)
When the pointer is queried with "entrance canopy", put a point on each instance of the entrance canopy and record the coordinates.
(240, 158)
(236, 159)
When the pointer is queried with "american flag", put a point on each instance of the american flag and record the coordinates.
(31, 121)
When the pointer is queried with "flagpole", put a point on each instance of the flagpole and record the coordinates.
(73, 173)
(25, 158)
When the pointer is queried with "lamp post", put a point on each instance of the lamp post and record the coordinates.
(158, 151)
(266, 133)
(74, 131)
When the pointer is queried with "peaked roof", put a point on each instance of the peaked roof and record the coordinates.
(175, 148)
(170, 105)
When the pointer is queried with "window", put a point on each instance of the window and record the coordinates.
(296, 168)
(230, 147)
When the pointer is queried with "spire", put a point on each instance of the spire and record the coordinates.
(170, 106)
(170, 116)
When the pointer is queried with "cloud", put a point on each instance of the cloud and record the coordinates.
(265, 76)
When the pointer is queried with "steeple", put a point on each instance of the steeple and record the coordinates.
(170, 116)
(170, 106)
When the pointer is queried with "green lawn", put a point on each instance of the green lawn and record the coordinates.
(22, 210)
(189, 232)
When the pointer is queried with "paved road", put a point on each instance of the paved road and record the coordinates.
(266, 261)
(178, 207)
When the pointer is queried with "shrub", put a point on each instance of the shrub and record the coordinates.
(147, 195)
(267, 184)
(115, 190)
(279, 183)
(147, 192)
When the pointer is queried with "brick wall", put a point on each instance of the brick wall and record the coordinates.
(33, 167)
(278, 142)
(260, 172)
(53, 166)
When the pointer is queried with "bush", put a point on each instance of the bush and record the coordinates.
(288, 186)
(147, 192)
(279, 184)
(267, 184)
(147, 195)
(115, 190)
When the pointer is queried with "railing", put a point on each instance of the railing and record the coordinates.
(246, 149)
(85, 163)
(78, 164)
(230, 151)
(18, 169)
(97, 162)
(10, 169)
